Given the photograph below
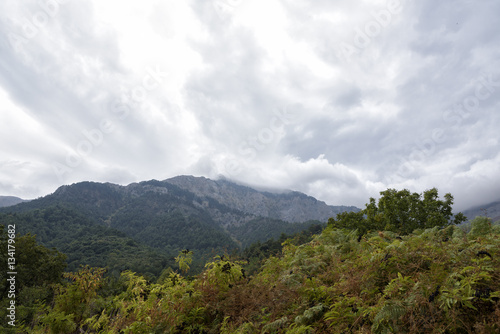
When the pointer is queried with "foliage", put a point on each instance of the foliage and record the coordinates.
(431, 280)
(86, 242)
(38, 270)
(222, 274)
(74, 302)
(480, 226)
(401, 212)
(257, 252)
(35, 264)
(262, 229)
(184, 259)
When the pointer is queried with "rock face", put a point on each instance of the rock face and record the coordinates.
(289, 206)
(10, 200)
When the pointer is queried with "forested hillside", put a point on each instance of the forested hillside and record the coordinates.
(142, 226)
(347, 279)
(86, 242)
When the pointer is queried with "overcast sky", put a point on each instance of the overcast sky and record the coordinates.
(336, 99)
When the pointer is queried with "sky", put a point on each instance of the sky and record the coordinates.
(337, 99)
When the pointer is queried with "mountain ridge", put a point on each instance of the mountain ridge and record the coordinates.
(6, 201)
(252, 203)
(290, 206)
(184, 212)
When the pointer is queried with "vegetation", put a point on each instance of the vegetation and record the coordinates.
(262, 229)
(436, 279)
(256, 254)
(39, 270)
(401, 212)
(86, 242)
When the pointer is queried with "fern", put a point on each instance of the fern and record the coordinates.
(344, 312)
(388, 315)
(275, 325)
(59, 322)
(480, 226)
(300, 330)
(246, 328)
(311, 315)
(98, 322)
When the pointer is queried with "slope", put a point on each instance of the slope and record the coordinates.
(288, 206)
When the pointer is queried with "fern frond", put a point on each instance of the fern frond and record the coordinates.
(275, 325)
(388, 315)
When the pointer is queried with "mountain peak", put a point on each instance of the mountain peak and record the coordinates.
(290, 206)
(202, 192)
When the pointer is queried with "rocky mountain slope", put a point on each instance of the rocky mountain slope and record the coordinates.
(288, 206)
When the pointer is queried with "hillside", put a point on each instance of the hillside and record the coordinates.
(161, 217)
(84, 241)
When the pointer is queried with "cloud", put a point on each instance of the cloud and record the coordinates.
(335, 99)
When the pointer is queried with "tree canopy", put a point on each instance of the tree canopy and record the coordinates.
(401, 212)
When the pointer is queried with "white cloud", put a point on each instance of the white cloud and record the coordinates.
(377, 95)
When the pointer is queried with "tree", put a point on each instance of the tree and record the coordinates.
(38, 270)
(35, 265)
(184, 259)
(401, 212)
(350, 220)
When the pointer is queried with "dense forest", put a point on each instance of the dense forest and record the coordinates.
(404, 264)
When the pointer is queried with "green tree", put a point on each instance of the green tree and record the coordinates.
(75, 302)
(38, 270)
(184, 259)
(350, 220)
(401, 212)
(35, 265)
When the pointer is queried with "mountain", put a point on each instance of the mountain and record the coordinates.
(162, 217)
(10, 200)
(491, 210)
(289, 206)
